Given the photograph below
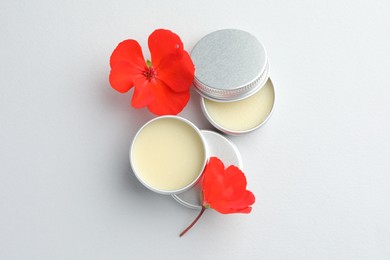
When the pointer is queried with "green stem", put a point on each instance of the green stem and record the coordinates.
(193, 222)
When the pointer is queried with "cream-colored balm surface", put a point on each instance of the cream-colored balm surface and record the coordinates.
(244, 114)
(168, 154)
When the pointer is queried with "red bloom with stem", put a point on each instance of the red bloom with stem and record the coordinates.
(224, 190)
(162, 84)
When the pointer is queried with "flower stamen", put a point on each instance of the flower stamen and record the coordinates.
(150, 73)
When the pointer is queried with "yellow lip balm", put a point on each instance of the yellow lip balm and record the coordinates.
(244, 115)
(168, 154)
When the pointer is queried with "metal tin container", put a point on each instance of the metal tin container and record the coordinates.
(160, 146)
(231, 65)
(242, 116)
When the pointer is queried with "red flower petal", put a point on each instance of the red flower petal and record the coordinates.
(122, 75)
(177, 73)
(129, 51)
(163, 43)
(238, 205)
(167, 102)
(225, 190)
(143, 94)
(127, 63)
(212, 182)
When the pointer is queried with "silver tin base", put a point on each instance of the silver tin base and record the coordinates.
(230, 131)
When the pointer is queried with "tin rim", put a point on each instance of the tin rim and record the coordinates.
(169, 192)
(237, 94)
(237, 132)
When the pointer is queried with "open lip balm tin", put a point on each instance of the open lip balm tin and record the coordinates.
(232, 75)
(168, 154)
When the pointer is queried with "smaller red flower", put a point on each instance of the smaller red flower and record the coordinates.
(224, 190)
(162, 84)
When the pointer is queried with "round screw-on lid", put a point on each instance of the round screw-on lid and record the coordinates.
(230, 64)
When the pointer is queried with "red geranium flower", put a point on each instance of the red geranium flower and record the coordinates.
(224, 190)
(161, 84)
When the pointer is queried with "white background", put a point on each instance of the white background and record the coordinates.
(319, 168)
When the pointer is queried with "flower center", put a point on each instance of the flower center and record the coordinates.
(150, 73)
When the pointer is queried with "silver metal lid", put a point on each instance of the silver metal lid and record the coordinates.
(230, 64)
(219, 146)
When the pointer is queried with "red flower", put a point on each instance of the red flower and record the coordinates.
(224, 190)
(162, 84)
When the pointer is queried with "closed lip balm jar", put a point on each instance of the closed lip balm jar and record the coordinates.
(232, 76)
(168, 154)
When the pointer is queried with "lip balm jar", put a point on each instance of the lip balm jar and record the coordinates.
(168, 154)
(232, 76)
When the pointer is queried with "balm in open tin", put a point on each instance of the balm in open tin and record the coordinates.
(232, 75)
(168, 154)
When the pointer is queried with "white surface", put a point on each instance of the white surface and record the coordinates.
(319, 168)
